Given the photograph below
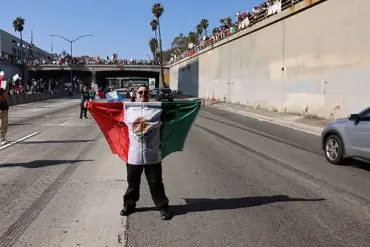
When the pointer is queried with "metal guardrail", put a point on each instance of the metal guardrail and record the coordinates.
(253, 20)
(17, 99)
(94, 65)
(288, 3)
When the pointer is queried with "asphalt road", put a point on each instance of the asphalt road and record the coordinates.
(243, 182)
(61, 187)
(239, 182)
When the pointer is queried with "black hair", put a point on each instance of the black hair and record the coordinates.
(143, 85)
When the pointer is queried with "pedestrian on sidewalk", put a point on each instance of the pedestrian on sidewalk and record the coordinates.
(85, 97)
(153, 173)
(4, 108)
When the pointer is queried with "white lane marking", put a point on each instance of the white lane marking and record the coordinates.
(267, 120)
(19, 140)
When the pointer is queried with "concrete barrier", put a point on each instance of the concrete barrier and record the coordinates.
(15, 99)
(308, 59)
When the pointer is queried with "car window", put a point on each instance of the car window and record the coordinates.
(166, 90)
(366, 115)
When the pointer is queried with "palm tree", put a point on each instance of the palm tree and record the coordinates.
(154, 25)
(204, 24)
(153, 44)
(18, 25)
(199, 29)
(229, 21)
(193, 37)
(157, 11)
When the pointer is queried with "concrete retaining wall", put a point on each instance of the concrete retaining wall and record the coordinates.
(11, 69)
(15, 99)
(313, 61)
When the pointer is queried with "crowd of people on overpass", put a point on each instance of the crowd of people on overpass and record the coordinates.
(97, 61)
(243, 20)
(62, 60)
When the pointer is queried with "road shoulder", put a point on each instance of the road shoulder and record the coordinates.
(301, 123)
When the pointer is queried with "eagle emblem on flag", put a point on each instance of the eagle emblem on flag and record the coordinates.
(142, 130)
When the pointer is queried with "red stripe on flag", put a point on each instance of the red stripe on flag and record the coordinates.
(109, 117)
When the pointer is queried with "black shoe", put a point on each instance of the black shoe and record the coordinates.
(127, 210)
(165, 214)
(86, 117)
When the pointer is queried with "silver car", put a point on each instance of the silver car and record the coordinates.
(154, 92)
(347, 138)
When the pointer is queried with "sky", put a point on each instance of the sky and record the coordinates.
(116, 26)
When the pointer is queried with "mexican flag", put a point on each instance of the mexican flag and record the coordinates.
(145, 133)
(2, 74)
(5, 84)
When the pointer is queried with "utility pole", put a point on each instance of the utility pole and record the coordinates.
(71, 42)
(52, 53)
(31, 48)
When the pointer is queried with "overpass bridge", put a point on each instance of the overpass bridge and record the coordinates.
(99, 73)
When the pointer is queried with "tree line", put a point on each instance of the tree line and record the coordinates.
(179, 44)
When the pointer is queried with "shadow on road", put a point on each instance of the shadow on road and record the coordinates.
(55, 141)
(41, 163)
(205, 204)
(359, 164)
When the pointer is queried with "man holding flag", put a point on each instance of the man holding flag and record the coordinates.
(4, 107)
(2, 75)
(4, 84)
(142, 134)
(85, 97)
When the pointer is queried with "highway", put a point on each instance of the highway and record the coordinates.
(239, 182)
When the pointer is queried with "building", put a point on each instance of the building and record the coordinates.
(10, 46)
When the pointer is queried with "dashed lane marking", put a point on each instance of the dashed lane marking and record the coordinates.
(19, 140)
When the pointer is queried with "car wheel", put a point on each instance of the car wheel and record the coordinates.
(334, 150)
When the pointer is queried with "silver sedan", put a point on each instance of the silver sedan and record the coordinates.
(347, 138)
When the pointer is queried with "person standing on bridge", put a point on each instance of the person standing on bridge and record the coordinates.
(4, 108)
(85, 97)
(153, 173)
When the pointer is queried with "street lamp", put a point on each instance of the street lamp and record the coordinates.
(71, 42)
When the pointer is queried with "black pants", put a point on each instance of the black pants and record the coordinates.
(83, 110)
(153, 173)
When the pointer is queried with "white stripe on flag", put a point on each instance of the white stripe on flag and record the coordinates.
(3, 84)
(144, 145)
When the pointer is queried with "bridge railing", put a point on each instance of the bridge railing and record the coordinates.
(255, 18)
(92, 65)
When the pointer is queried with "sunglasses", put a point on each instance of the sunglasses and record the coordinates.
(143, 92)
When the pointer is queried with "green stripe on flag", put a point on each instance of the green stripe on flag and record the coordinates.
(5, 84)
(177, 119)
